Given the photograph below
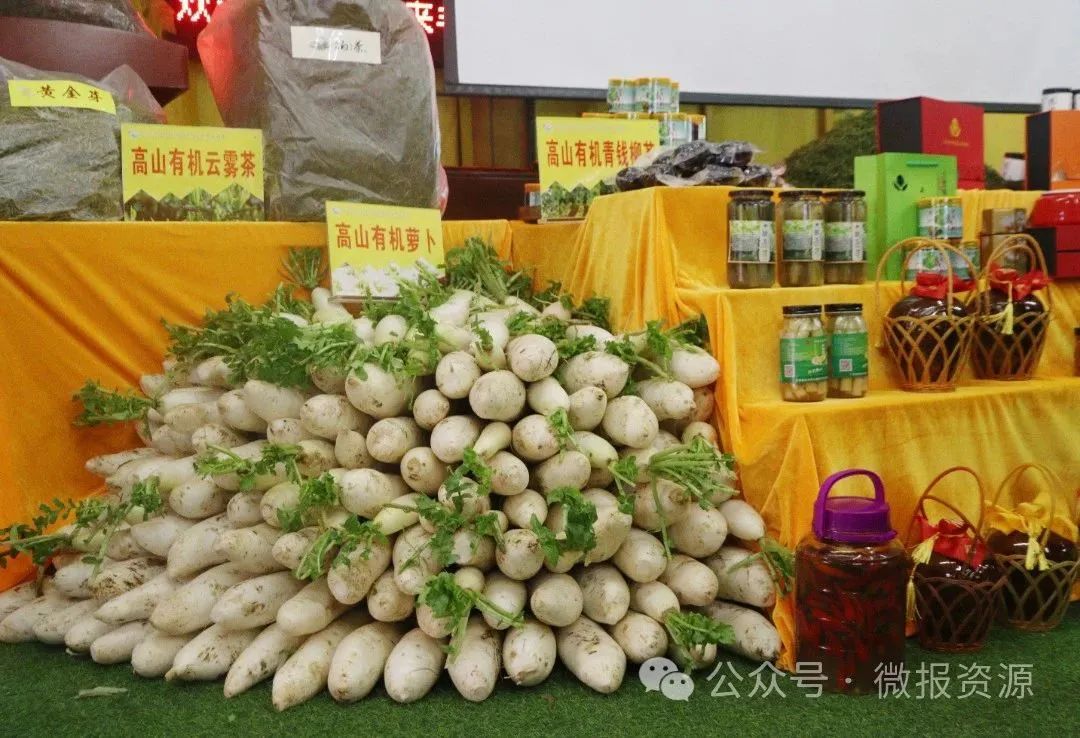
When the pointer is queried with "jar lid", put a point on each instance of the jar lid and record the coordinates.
(853, 519)
(1052, 90)
(802, 310)
(794, 194)
(844, 307)
(740, 193)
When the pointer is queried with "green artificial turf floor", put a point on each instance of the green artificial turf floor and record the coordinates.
(38, 687)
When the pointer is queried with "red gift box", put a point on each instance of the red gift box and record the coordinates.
(928, 126)
(1061, 248)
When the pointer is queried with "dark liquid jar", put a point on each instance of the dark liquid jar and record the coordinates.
(850, 590)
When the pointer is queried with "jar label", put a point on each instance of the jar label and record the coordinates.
(621, 97)
(804, 240)
(933, 221)
(926, 260)
(845, 241)
(803, 360)
(960, 267)
(752, 240)
(848, 355)
(954, 223)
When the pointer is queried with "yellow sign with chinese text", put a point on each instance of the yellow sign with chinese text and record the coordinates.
(372, 246)
(580, 156)
(193, 173)
(59, 93)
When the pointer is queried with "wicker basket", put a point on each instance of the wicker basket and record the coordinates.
(1034, 599)
(953, 614)
(1012, 356)
(931, 351)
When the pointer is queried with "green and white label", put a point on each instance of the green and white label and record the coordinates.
(752, 240)
(804, 240)
(848, 355)
(803, 360)
(926, 260)
(845, 241)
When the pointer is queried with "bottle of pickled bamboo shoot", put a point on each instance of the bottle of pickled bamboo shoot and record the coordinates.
(848, 341)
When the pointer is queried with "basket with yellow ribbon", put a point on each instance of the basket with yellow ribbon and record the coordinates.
(952, 594)
(1035, 544)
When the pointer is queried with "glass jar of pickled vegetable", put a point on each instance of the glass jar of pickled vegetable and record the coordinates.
(751, 239)
(851, 590)
(848, 350)
(845, 237)
(804, 370)
(802, 223)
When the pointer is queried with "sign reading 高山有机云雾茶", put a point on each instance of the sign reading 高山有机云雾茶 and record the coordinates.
(373, 246)
(193, 173)
(580, 156)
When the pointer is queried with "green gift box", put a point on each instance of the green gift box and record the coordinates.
(893, 184)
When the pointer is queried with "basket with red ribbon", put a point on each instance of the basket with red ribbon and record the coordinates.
(1012, 321)
(952, 596)
(928, 332)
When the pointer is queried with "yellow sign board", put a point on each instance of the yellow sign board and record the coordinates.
(579, 156)
(198, 173)
(372, 246)
(59, 93)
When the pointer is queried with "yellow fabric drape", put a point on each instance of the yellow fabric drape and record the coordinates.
(86, 301)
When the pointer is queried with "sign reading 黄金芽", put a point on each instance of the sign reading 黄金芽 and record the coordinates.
(59, 93)
(372, 246)
(577, 155)
(191, 173)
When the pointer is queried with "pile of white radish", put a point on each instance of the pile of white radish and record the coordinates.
(464, 480)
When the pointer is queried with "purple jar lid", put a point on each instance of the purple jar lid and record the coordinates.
(853, 519)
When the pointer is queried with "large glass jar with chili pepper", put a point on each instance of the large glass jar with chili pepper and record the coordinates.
(851, 578)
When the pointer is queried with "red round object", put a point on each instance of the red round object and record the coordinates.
(1061, 207)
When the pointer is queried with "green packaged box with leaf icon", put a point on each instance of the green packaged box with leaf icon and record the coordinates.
(893, 184)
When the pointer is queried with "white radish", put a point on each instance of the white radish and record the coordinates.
(364, 492)
(556, 600)
(138, 603)
(534, 438)
(186, 396)
(251, 548)
(509, 474)
(522, 508)
(611, 526)
(198, 499)
(327, 415)
(743, 521)
(700, 533)
(391, 329)
(116, 646)
(472, 549)
(215, 434)
(187, 418)
(599, 452)
(640, 637)
(492, 439)
(16, 597)
(270, 402)
(603, 337)
(399, 514)
(547, 396)
(668, 399)
(261, 659)
(108, 464)
(587, 408)
(521, 555)
(350, 450)
(237, 415)
(54, 626)
(529, 653)
(659, 503)
(740, 580)
(18, 626)
(255, 603)
(422, 470)
(591, 655)
(251, 451)
(153, 656)
(692, 582)
(209, 655)
(280, 497)
(453, 435)
(694, 367)
(358, 662)
(755, 637)
(157, 535)
(509, 595)
(73, 580)
(212, 372)
(330, 380)
(305, 673)
(315, 458)
(497, 395)
(568, 469)
(414, 562)
(310, 610)
(605, 594)
(193, 549)
(244, 509)
(628, 421)
(378, 393)
(455, 375)
(364, 329)
(87, 629)
(287, 432)
(413, 666)
(455, 311)
(386, 602)
(154, 385)
(702, 430)
(429, 407)
(641, 557)
(654, 599)
(350, 583)
(704, 403)
(389, 439)
(475, 667)
(122, 546)
(123, 576)
(594, 369)
(291, 547)
(532, 357)
(171, 442)
(188, 608)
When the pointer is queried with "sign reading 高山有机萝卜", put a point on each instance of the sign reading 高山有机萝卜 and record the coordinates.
(193, 173)
(373, 246)
(580, 156)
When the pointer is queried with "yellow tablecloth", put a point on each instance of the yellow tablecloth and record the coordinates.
(81, 301)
